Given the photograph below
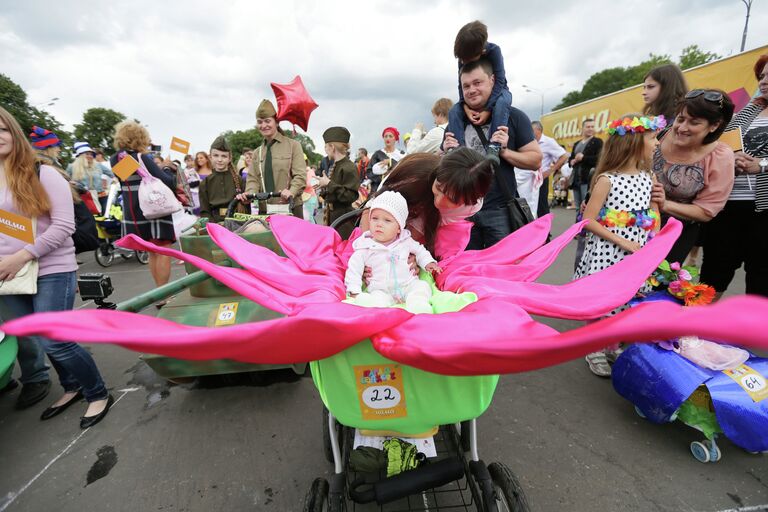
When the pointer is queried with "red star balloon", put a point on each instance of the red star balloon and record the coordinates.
(294, 104)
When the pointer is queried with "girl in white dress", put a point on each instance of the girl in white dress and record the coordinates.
(621, 215)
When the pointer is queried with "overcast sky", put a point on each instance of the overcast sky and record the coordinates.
(193, 69)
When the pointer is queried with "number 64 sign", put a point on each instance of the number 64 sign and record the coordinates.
(750, 380)
(381, 392)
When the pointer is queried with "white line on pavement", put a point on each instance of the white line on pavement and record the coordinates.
(753, 508)
(12, 496)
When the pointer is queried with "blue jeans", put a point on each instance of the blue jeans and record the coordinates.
(75, 366)
(499, 108)
(579, 195)
(491, 225)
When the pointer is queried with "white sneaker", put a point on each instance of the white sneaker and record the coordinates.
(598, 364)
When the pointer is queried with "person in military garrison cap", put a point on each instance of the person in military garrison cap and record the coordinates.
(223, 184)
(340, 187)
(278, 164)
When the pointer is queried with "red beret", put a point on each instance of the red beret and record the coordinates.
(393, 130)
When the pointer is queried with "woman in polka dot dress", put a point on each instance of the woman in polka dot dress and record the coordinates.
(621, 211)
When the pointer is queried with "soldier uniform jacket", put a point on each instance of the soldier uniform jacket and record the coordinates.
(342, 191)
(216, 192)
(288, 168)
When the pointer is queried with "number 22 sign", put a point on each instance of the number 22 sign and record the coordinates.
(381, 392)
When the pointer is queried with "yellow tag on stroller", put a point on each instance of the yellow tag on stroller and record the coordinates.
(381, 391)
(752, 381)
(227, 314)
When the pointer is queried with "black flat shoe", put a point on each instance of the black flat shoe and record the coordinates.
(32, 393)
(56, 410)
(89, 421)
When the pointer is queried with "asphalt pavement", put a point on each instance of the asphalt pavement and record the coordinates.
(255, 444)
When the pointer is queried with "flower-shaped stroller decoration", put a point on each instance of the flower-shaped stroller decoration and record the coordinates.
(495, 334)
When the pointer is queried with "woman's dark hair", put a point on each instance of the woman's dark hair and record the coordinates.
(720, 111)
(673, 88)
(464, 176)
(413, 177)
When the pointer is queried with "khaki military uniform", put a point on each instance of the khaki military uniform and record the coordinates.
(340, 193)
(288, 168)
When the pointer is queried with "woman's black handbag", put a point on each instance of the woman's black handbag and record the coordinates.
(519, 212)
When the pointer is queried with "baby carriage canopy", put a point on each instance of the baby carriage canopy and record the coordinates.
(493, 335)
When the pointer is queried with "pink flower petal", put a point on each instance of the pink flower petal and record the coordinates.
(318, 331)
(494, 337)
(586, 298)
(281, 273)
(239, 280)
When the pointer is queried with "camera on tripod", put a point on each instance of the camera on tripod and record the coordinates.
(96, 287)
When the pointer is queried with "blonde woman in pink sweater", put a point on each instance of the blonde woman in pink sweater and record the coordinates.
(39, 193)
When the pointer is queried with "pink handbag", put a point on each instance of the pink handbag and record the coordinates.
(155, 198)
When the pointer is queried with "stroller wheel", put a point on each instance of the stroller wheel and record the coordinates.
(315, 501)
(105, 255)
(507, 488)
(142, 257)
(700, 451)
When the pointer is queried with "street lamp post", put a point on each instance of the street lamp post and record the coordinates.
(748, 4)
(541, 92)
(47, 103)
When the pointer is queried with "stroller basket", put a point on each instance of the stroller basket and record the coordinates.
(200, 244)
(365, 390)
(112, 227)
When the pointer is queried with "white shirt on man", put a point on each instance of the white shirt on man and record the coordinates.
(429, 143)
(529, 182)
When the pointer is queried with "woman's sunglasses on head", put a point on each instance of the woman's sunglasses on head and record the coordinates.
(711, 96)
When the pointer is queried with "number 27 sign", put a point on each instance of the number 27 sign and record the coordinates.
(381, 391)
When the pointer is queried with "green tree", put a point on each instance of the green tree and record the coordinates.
(604, 82)
(692, 56)
(242, 139)
(636, 74)
(615, 79)
(98, 128)
(307, 145)
(14, 100)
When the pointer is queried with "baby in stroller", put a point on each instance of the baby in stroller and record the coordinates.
(385, 248)
(560, 191)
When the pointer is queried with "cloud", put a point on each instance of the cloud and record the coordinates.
(194, 69)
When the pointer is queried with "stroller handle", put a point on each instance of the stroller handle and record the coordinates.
(259, 196)
(348, 217)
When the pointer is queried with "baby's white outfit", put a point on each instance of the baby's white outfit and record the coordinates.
(391, 278)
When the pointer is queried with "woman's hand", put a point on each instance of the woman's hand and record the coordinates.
(285, 194)
(10, 265)
(322, 181)
(630, 246)
(413, 265)
(501, 136)
(658, 195)
(367, 275)
(477, 118)
(433, 268)
(450, 142)
(746, 163)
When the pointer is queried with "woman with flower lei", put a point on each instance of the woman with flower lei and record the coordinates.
(621, 213)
